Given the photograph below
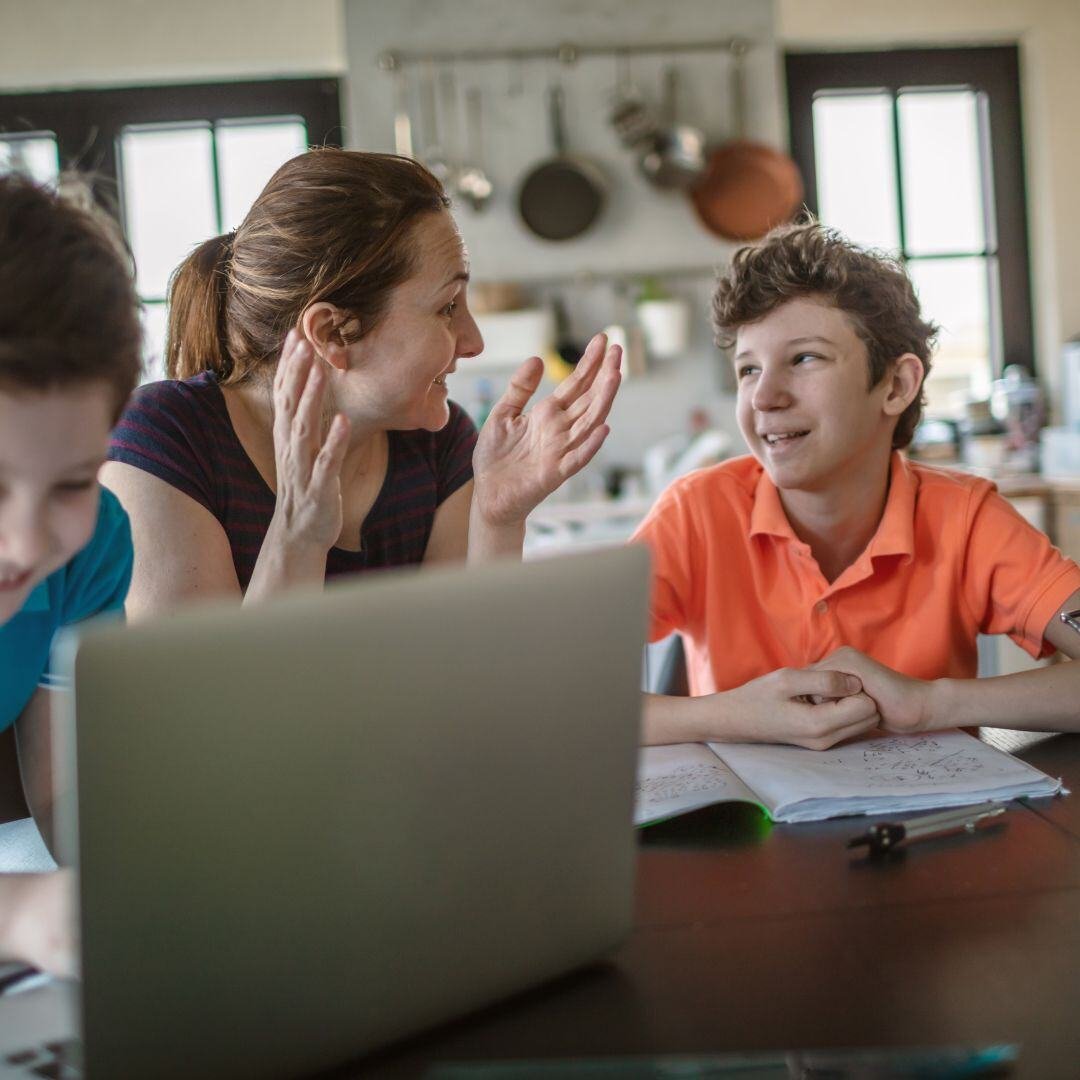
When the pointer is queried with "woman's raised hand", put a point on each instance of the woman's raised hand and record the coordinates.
(308, 514)
(520, 457)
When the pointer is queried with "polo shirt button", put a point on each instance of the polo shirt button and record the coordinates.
(821, 607)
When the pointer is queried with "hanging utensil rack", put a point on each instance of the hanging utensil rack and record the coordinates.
(567, 52)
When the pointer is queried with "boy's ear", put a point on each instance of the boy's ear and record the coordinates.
(904, 381)
(325, 327)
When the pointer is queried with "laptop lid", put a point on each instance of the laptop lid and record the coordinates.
(315, 826)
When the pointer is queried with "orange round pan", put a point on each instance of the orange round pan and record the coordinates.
(747, 187)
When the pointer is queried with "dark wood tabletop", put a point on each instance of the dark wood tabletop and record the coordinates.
(754, 937)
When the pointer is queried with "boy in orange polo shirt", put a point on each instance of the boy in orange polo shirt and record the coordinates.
(826, 585)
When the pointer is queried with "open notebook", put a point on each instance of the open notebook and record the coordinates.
(878, 775)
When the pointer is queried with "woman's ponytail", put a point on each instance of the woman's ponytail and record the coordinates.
(197, 338)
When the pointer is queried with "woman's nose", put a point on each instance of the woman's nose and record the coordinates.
(470, 341)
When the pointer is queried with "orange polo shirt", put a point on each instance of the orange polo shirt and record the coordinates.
(950, 559)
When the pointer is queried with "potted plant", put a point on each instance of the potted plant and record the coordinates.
(664, 319)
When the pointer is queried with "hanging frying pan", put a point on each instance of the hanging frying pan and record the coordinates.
(563, 195)
(747, 187)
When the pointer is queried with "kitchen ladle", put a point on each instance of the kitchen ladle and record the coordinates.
(473, 184)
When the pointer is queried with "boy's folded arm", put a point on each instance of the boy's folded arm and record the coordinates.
(668, 719)
(1046, 698)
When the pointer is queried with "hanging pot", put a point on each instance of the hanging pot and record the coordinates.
(747, 187)
(675, 155)
(564, 195)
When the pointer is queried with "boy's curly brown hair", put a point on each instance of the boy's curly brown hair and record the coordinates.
(871, 288)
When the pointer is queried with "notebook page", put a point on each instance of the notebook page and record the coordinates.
(882, 774)
(674, 779)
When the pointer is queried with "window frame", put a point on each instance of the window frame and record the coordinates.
(990, 70)
(88, 123)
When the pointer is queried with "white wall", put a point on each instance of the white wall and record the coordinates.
(54, 44)
(1048, 33)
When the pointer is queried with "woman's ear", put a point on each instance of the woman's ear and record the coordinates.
(326, 327)
(905, 381)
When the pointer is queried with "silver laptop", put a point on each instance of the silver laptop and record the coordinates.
(317, 826)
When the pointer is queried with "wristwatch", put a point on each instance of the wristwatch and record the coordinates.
(1072, 618)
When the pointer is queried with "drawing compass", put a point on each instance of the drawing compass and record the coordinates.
(887, 835)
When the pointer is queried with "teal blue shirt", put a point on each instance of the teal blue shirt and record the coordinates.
(95, 581)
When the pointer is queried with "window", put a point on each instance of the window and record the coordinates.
(32, 154)
(919, 152)
(176, 164)
(181, 183)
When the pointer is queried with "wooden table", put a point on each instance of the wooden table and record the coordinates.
(752, 937)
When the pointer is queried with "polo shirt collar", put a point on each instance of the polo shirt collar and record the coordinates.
(767, 518)
(895, 533)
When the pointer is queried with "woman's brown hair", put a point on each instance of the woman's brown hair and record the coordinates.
(871, 288)
(69, 313)
(331, 225)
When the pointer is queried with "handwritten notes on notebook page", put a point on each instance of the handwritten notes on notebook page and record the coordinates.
(886, 774)
(686, 776)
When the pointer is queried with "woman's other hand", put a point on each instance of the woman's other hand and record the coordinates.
(520, 457)
(308, 512)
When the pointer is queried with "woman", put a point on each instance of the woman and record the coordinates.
(308, 431)
(70, 346)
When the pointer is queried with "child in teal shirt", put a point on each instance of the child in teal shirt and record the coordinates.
(70, 345)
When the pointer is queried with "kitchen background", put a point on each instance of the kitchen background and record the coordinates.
(643, 232)
(64, 44)
(646, 239)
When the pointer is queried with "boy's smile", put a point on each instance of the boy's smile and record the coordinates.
(804, 404)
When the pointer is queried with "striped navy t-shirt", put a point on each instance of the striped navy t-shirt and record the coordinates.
(181, 433)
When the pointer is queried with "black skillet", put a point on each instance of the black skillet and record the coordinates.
(563, 195)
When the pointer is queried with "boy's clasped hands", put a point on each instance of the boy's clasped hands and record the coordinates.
(842, 696)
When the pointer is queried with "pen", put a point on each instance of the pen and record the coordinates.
(886, 835)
